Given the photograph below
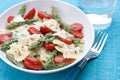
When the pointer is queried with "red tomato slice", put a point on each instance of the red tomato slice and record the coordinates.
(5, 37)
(30, 14)
(67, 41)
(10, 18)
(42, 15)
(32, 63)
(76, 27)
(68, 60)
(50, 46)
(44, 30)
(59, 59)
(77, 34)
(33, 30)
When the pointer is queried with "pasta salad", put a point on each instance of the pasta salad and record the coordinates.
(37, 40)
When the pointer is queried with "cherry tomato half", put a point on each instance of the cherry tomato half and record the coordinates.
(42, 15)
(32, 63)
(44, 30)
(10, 18)
(67, 41)
(68, 60)
(5, 37)
(33, 30)
(76, 27)
(77, 34)
(60, 59)
(49, 46)
(30, 14)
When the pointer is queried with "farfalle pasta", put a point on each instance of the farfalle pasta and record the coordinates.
(39, 40)
(19, 51)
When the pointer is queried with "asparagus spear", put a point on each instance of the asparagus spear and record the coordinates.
(16, 24)
(46, 39)
(36, 44)
(22, 10)
(6, 46)
(50, 60)
(11, 58)
(56, 15)
(49, 65)
(55, 66)
(78, 41)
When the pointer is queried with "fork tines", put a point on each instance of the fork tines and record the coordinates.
(100, 40)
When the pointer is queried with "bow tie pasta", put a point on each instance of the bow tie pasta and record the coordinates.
(41, 41)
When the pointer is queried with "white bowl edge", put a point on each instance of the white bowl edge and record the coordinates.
(49, 71)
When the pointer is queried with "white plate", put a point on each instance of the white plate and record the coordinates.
(69, 14)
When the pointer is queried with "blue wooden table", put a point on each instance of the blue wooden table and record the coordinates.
(105, 67)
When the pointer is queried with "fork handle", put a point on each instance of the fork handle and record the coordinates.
(82, 63)
(75, 72)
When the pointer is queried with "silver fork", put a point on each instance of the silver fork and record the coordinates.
(97, 47)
